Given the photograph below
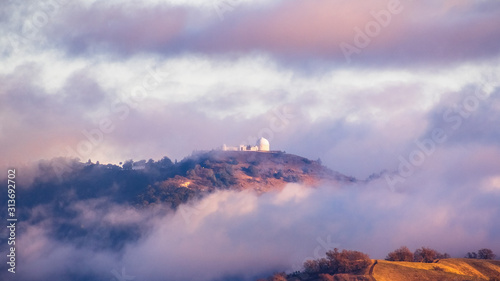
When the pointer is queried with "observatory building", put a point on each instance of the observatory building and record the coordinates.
(262, 145)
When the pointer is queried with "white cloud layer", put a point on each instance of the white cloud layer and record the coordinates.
(239, 234)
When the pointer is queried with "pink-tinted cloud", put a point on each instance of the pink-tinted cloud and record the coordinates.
(120, 29)
(394, 32)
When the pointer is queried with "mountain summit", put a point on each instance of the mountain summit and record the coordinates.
(241, 170)
(154, 182)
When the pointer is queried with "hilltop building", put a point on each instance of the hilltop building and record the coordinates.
(262, 145)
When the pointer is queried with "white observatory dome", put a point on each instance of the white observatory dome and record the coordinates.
(263, 144)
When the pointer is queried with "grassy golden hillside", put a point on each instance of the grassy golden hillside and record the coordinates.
(445, 269)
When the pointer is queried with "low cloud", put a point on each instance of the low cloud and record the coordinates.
(242, 235)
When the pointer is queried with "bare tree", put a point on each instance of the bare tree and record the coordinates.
(443, 256)
(471, 255)
(425, 255)
(311, 266)
(485, 254)
(323, 265)
(401, 254)
(347, 261)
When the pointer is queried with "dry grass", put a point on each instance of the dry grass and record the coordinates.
(446, 269)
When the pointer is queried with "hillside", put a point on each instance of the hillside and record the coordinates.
(237, 170)
(64, 181)
(61, 185)
(445, 269)
(452, 269)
